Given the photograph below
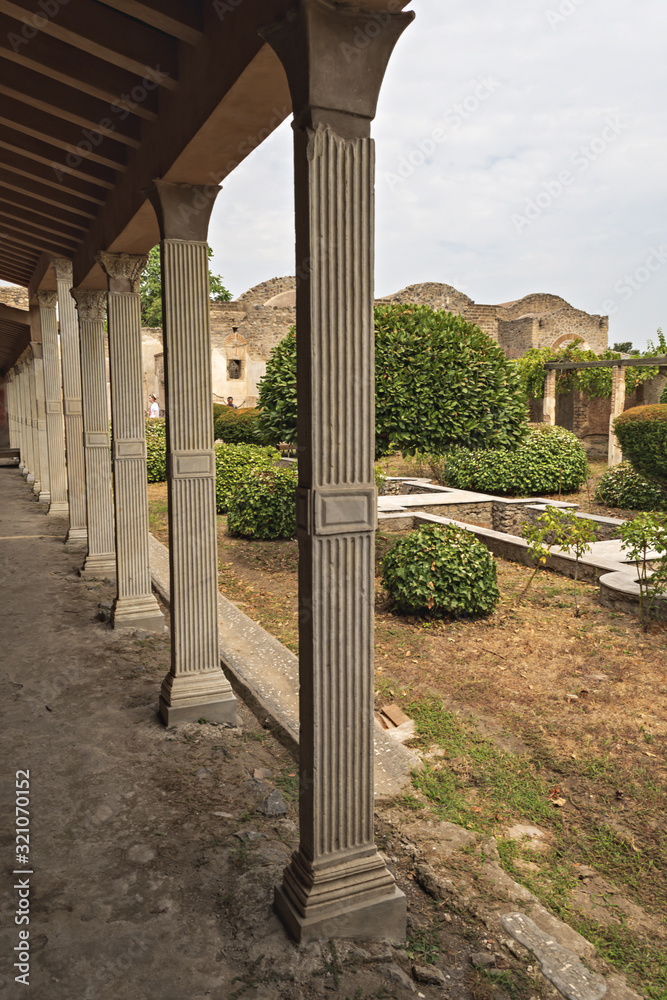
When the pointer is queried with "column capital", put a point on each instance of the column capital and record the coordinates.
(47, 300)
(335, 57)
(183, 210)
(90, 304)
(122, 269)
(62, 267)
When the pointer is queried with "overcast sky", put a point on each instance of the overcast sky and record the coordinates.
(521, 147)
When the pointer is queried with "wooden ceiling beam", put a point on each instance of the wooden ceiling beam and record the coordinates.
(15, 182)
(23, 167)
(43, 153)
(82, 71)
(98, 31)
(21, 201)
(175, 17)
(13, 228)
(37, 243)
(61, 101)
(77, 143)
(9, 210)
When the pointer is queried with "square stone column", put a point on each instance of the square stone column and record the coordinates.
(33, 425)
(100, 562)
(10, 395)
(336, 884)
(195, 687)
(135, 605)
(27, 470)
(18, 421)
(614, 451)
(77, 536)
(549, 402)
(44, 492)
(53, 403)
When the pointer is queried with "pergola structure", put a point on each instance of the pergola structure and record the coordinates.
(118, 122)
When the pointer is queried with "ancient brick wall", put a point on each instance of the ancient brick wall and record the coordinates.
(516, 336)
(14, 295)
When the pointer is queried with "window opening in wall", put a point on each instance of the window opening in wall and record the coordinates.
(234, 368)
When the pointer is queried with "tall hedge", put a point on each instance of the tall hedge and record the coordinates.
(439, 382)
(642, 432)
(233, 463)
(156, 448)
(237, 426)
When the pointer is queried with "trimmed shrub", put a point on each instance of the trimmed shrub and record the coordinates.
(233, 462)
(663, 395)
(441, 569)
(156, 445)
(551, 460)
(642, 432)
(237, 426)
(263, 505)
(439, 381)
(217, 410)
(621, 486)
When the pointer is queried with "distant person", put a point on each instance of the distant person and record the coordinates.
(154, 410)
(230, 402)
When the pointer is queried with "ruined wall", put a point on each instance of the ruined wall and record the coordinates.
(516, 336)
(14, 295)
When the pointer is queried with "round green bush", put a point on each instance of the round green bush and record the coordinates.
(622, 487)
(439, 381)
(441, 569)
(550, 460)
(642, 432)
(233, 462)
(156, 450)
(237, 426)
(263, 505)
(663, 395)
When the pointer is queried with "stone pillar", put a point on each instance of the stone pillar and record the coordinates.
(26, 430)
(10, 390)
(18, 373)
(336, 884)
(614, 452)
(53, 395)
(549, 403)
(71, 369)
(100, 562)
(135, 605)
(44, 492)
(33, 429)
(195, 686)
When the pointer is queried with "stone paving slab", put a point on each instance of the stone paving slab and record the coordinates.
(266, 675)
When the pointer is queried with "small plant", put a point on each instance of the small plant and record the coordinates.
(380, 479)
(444, 570)
(646, 533)
(263, 506)
(564, 529)
(232, 464)
(621, 486)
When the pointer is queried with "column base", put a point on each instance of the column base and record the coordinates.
(137, 612)
(99, 567)
(44, 496)
(36, 487)
(77, 538)
(190, 697)
(29, 477)
(381, 919)
(58, 508)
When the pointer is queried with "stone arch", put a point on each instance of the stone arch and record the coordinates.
(569, 338)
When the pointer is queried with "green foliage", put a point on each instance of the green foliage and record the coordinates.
(262, 505)
(550, 460)
(237, 426)
(439, 381)
(560, 528)
(277, 393)
(642, 432)
(621, 486)
(151, 289)
(442, 569)
(639, 536)
(625, 347)
(663, 395)
(218, 408)
(595, 382)
(233, 463)
(156, 445)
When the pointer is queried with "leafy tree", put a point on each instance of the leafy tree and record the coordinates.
(439, 381)
(625, 347)
(564, 529)
(643, 538)
(151, 289)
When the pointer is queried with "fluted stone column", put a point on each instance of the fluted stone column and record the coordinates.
(27, 471)
(20, 442)
(44, 492)
(71, 370)
(549, 402)
(33, 429)
(336, 884)
(53, 395)
(614, 450)
(10, 395)
(195, 686)
(135, 604)
(100, 562)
